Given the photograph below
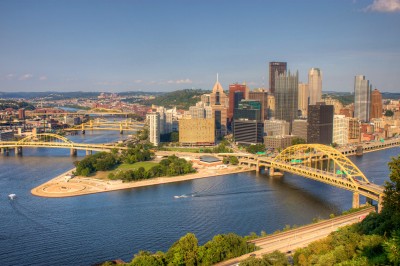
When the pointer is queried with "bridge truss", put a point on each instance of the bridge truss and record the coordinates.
(56, 141)
(321, 163)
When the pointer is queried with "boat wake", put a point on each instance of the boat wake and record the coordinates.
(198, 195)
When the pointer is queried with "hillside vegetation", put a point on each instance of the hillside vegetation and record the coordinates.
(182, 99)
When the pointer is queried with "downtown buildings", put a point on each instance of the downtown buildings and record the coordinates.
(252, 115)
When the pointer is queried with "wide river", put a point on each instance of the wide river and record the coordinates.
(88, 229)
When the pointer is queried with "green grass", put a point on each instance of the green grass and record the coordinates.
(145, 165)
(183, 149)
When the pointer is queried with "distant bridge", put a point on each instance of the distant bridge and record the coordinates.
(106, 112)
(318, 162)
(102, 124)
(55, 141)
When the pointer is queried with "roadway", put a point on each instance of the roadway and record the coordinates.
(288, 241)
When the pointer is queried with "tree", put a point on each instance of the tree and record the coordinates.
(298, 140)
(184, 251)
(389, 113)
(174, 136)
(392, 248)
(256, 148)
(233, 160)
(145, 258)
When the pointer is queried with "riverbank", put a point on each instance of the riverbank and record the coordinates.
(61, 186)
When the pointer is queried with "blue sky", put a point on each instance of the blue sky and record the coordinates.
(168, 45)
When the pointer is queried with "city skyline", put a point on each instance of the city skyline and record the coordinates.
(164, 46)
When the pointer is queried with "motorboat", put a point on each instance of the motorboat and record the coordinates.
(12, 196)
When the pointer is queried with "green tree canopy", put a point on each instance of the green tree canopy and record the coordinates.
(184, 251)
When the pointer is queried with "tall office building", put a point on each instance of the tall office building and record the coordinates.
(153, 120)
(237, 92)
(315, 85)
(219, 105)
(303, 99)
(197, 131)
(299, 128)
(161, 110)
(248, 110)
(362, 94)
(340, 129)
(248, 131)
(320, 123)
(354, 130)
(376, 104)
(201, 110)
(262, 97)
(271, 105)
(276, 127)
(280, 68)
(21, 114)
(286, 96)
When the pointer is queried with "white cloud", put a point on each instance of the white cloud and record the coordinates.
(43, 78)
(384, 6)
(26, 77)
(180, 81)
(10, 76)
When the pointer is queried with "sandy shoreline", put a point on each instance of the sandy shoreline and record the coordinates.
(59, 187)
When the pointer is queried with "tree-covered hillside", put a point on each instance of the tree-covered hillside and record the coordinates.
(182, 99)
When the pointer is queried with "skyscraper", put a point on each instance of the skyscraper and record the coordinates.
(219, 105)
(248, 110)
(320, 123)
(234, 101)
(280, 67)
(315, 85)
(286, 96)
(303, 99)
(362, 94)
(376, 104)
(154, 127)
(262, 97)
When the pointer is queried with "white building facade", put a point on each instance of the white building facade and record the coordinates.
(340, 130)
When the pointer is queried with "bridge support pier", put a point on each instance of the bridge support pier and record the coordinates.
(83, 132)
(88, 152)
(18, 150)
(73, 152)
(271, 171)
(356, 200)
(121, 132)
(369, 201)
(380, 201)
(5, 151)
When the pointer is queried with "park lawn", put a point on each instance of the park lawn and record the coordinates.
(183, 149)
(103, 175)
(126, 166)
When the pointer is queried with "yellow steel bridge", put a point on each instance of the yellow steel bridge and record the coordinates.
(55, 141)
(318, 162)
(102, 124)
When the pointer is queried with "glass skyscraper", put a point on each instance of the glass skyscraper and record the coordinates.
(362, 96)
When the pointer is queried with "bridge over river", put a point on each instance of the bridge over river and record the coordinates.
(314, 161)
(55, 141)
(318, 162)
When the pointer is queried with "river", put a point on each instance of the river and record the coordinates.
(93, 228)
